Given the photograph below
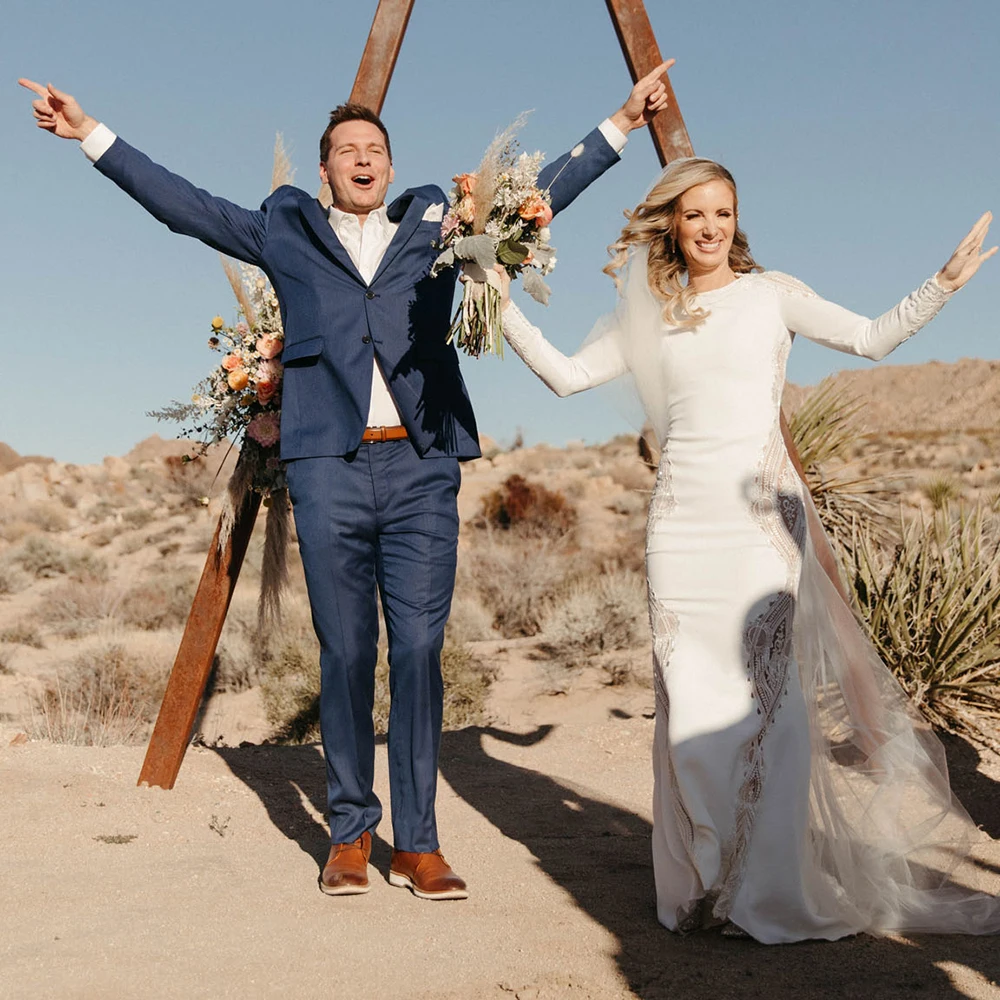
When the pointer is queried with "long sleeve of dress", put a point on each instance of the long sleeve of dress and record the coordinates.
(805, 313)
(595, 363)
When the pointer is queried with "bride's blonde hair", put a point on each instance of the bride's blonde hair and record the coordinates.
(653, 222)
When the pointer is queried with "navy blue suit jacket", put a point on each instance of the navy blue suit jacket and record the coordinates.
(334, 323)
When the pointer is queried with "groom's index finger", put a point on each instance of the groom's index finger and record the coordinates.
(31, 85)
(658, 72)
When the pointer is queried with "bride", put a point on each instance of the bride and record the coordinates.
(797, 794)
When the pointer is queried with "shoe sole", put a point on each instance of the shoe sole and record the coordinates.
(404, 882)
(344, 890)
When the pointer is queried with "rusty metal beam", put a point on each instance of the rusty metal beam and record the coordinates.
(186, 686)
(642, 55)
(381, 50)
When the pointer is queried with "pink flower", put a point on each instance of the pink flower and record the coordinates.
(449, 225)
(269, 347)
(270, 371)
(265, 392)
(231, 362)
(265, 428)
(466, 183)
(536, 209)
(242, 329)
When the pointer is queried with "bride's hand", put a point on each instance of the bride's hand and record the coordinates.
(504, 282)
(967, 257)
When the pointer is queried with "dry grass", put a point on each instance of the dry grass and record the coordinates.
(529, 509)
(23, 634)
(104, 696)
(42, 557)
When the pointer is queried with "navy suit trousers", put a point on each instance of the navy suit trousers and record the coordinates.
(379, 521)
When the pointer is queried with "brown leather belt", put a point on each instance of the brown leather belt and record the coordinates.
(373, 434)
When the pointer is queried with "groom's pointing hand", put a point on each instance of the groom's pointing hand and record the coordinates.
(58, 112)
(647, 99)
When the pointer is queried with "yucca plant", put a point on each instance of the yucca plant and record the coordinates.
(825, 430)
(932, 609)
(941, 490)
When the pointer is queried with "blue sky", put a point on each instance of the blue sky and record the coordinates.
(865, 137)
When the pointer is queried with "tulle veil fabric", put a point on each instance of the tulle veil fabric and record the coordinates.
(887, 839)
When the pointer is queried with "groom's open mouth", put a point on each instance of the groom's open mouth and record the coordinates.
(364, 181)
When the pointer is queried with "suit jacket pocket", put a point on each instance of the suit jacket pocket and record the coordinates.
(302, 353)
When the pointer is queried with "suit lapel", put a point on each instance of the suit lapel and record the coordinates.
(408, 209)
(318, 221)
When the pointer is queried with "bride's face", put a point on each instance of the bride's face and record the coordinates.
(705, 224)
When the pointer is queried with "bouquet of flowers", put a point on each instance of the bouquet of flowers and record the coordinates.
(496, 215)
(241, 397)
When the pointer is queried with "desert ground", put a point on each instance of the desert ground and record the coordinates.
(210, 889)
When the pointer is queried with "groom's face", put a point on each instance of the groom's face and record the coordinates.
(357, 168)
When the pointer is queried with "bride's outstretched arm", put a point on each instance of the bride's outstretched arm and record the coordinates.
(595, 363)
(827, 323)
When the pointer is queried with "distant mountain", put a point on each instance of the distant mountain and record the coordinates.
(10, 459)
(933, 396)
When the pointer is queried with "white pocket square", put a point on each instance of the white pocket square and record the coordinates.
(435, 213)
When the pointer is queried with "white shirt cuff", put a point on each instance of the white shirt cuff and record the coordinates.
(615, 136)
(102, 138)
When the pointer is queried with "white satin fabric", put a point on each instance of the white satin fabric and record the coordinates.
(797, 794)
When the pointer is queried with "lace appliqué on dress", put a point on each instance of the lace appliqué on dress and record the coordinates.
(662, 503)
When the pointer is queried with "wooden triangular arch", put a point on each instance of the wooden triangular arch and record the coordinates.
(193, 664)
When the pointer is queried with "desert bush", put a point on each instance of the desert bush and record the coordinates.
(826, 433)
(633, 474)
(290, 690)
(104, 696)
(12, 579)
(5, 657)
(932, 609)
(160, 602)
(596, 615)
(75, 609)
(941, 490)
(528, 507)
(42, 557)
(137, 517)
(469, 620)
(104, 535)
(515, 577)
(22, 634)
(14, 529)
(49, 517)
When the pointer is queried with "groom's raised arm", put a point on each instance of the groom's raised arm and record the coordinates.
(574, 171)
(168, 197)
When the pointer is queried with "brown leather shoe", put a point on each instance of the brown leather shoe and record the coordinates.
(346, 870)
(428, 875)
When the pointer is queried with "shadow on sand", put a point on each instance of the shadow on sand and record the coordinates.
(599, 853)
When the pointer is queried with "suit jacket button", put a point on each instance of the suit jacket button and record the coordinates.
(369, 295)
(366, 339)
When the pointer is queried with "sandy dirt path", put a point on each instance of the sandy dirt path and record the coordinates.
(209, 890)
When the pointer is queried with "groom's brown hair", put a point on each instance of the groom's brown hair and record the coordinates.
(351, 112)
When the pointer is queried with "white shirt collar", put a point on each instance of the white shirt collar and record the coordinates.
(341, 220)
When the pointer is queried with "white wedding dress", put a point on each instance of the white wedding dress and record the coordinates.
(797, 794)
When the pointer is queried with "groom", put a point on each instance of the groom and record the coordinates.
(375, 418)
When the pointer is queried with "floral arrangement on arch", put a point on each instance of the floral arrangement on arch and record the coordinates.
(240, 402)
(497, 215)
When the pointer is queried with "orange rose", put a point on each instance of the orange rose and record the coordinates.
(231, 362)
(269, 347)
(536, 210)
(466, 183)
(238, 379)
(265, 392)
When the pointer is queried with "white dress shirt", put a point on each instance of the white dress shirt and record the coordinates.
(365, 244)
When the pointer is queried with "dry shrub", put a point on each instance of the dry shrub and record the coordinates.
(292, 678)
(137, 517)
(12, 579)
(516, 577)
(5, 668)
(941, 490)
(48, 516)
(633, 475)
(76, 609)
(105, 696)
(469, 620)
(42, 557)
(22, 634)
(595, 616)
(528, 507)
(158, 603)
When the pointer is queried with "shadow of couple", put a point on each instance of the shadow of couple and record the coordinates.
(599, 853)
